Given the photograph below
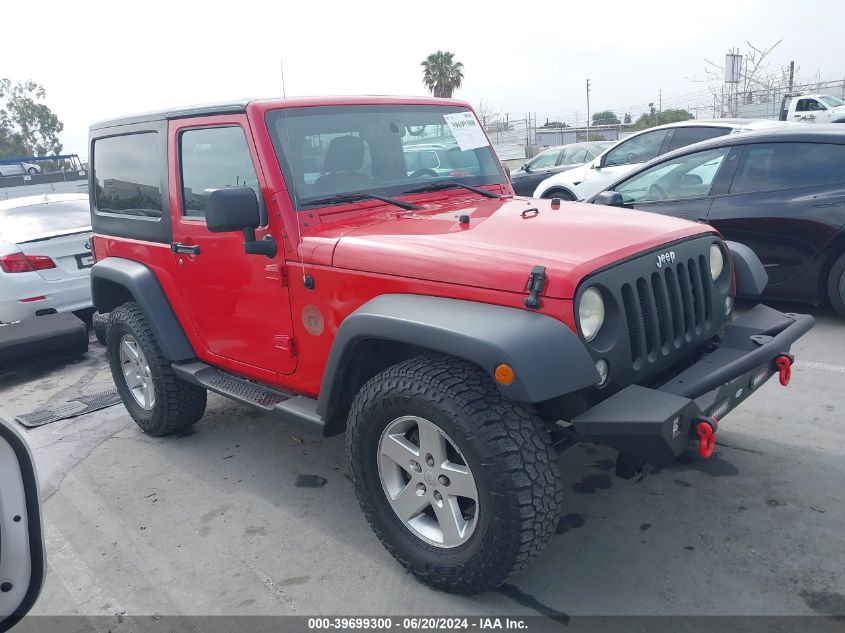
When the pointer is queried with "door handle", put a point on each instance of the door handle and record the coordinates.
(185, 249)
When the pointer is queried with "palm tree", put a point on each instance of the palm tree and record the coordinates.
(442, 75)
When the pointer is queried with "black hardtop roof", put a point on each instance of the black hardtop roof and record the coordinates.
(237, 106)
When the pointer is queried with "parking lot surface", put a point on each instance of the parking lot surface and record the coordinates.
(246, 515)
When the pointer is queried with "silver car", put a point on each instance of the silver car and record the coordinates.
(45, 255)
(19, 169)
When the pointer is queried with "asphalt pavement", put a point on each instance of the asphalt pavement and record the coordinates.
(245, 515)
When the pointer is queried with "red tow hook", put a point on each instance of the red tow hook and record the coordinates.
(784, 366)
(706, 431)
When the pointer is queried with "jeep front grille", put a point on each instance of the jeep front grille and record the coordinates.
(657, 315)
(667, 309)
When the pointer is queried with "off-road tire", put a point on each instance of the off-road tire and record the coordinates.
(178, 404)
(100, 323)
(506, 446)
(833, 281)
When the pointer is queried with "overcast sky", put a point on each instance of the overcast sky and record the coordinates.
(101, 59)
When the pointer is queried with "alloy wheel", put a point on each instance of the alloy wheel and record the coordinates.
(136, 372)
(427, 482)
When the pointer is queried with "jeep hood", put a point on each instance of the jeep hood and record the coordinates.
(503, 241)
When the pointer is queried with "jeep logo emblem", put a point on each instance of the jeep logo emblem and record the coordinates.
(665, 258)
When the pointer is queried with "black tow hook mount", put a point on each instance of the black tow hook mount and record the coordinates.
(628, 466)
(536, 283)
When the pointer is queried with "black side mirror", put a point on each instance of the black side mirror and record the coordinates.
(21, 535)
(236, 209)
(232, 209)
(610, 199)
(525, 167)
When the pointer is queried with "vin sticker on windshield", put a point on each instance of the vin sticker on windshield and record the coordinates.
(466, 129)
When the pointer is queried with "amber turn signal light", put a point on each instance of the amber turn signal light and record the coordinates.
(504, 374)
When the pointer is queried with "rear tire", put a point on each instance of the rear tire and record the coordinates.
(836, 286)
(562, 194)
(100, 323)
(495, 449)
(158, 400)
(32, 171)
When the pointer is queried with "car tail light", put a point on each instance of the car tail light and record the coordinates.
(20, 263)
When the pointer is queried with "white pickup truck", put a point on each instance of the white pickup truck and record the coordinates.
(812, 109)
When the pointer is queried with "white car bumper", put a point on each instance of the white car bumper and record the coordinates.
(19, 296)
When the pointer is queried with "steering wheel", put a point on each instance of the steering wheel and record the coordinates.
(423, 172)
(655, 192)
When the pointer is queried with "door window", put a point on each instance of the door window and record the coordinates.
(776, 166)
(683, 136)
(574, 156)
(544, 160)
(638, 149)
(684, 177)
(213, 158)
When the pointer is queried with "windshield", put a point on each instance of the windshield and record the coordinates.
(832, 101)
(385, 150)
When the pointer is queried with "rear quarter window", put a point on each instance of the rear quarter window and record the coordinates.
(126, 175)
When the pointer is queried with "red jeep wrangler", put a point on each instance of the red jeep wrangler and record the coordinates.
(361, 265)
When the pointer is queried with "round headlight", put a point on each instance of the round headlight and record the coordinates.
(717, 261)
(591, 313)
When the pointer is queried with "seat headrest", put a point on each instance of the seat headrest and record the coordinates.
(345, 153)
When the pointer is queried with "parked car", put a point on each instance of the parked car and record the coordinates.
(628, 154)
(446, 339)
(781, 192)
(19, 169)
(812, 109)
(553, 161)
(45, 255)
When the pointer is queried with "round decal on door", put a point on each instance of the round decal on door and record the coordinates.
(312, 319)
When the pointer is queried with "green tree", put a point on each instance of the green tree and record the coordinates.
(653, 117)
(605, 117)
(442, 75)
(27, 126)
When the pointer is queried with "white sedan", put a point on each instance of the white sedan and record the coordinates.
(45, 255)
(628, 154)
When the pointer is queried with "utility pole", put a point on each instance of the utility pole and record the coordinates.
(588, 110)
(791, 75)
(659, 105)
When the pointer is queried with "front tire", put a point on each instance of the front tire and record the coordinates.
(836, 286)
(158, 400)
(459, 484)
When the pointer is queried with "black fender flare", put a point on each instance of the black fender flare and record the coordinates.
(547, 357)
(751, 277)
(116, 280)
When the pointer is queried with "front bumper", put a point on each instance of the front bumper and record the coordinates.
(657, 424)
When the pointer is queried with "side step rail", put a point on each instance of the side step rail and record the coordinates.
(299, 410)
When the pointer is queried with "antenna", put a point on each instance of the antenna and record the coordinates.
(293, 181)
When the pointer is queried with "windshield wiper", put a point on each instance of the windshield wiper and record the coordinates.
(355, 197)
(439, 186)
